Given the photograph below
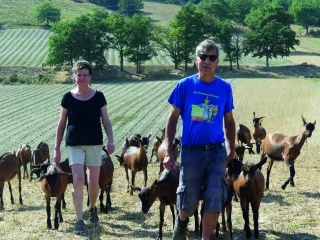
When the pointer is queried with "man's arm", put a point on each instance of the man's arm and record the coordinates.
(230, 131)
(169, 160)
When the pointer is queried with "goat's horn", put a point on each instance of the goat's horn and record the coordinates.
(134, 188)
(42, 177)
(64, 173)
(254, 114)
(304, 121)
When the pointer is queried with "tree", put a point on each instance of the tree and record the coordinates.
(129, 5)
(220, 9)
(85, 37)
(305, 12)
(168, 38)
(240, 9)
(229, 40)
(118, 27)
(192, 29)
(270, 34)
(47, 12)
(139, 47)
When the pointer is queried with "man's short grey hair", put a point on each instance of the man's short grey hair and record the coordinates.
(82, 64)
(205, 46)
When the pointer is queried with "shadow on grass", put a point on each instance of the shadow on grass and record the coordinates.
(311, 195)
(272, 196)
(300, 53)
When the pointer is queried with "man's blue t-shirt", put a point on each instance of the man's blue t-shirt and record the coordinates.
(202, 106)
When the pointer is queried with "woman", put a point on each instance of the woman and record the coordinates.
(84, 108)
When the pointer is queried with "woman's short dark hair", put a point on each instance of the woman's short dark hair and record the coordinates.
(82, 64)
(205, 46)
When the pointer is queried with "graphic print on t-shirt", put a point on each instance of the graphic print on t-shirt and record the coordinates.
(204, 111)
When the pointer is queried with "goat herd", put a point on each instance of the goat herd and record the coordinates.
(245, 180)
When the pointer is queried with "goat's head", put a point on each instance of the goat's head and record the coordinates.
(51, 175)
(120, 159)
(309, 127)
(249, 170)
(234, 168)
(145, 141)
(256, 121)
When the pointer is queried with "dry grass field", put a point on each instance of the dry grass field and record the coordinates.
(292, 214)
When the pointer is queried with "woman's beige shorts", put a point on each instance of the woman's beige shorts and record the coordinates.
(85, 155)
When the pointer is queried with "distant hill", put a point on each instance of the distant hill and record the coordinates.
(18, 13)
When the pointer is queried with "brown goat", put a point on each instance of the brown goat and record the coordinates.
(249, 186)
(164, 188)
(24, 156)
(259, 133)
(244, 136)
(278, 146)
(156, 144)
(105, 181)
(240, 149)
(135, 159)
(40, 153)
(54, 184)
(162, 151)
(132, 141)
(9, 168)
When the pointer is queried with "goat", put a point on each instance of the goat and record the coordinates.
(278, 146)
(240, 149)
(249, 186)
(162, 151)
(259, 133)
(156, 144)
(39, 155)
(9, 168)
(244, 136)
(24, 156)
(164, 188)
(132, 141)
(135, 158)
(53, 183)
(105, 181)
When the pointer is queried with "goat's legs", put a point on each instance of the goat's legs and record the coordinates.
(290, 179)
(63, 201)
(162, 209)
(102, 209)
(48, 212)
(255, 210)
(196, 221)
(1, 193)
(19, 180)
(145, 172)
(57, 211)
(11, 196)
(127, 176)
(108, 203)
(245, 215)
(133, 176)
(268, 172)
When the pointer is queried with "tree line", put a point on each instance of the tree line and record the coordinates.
(135, 38)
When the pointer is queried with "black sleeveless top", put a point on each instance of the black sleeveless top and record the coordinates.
(84, 119)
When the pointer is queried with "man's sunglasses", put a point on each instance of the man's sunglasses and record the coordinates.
(212, 58)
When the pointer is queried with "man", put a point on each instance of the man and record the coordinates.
(204, 102)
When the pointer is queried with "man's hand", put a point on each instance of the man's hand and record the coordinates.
(169, 161)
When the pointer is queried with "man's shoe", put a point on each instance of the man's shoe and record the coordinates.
(79, 227)
(180, 229)
(93, 215)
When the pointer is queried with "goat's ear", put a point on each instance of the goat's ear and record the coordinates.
(135, 188)
(303, 120)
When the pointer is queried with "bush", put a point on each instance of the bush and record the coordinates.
(13, 78)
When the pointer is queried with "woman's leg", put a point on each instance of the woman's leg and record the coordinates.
(77, 192)
(93, 184)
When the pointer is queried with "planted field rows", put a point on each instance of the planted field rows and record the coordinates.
(29, 48)
(29, 114)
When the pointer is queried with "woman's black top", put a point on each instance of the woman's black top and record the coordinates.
(84, 119)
